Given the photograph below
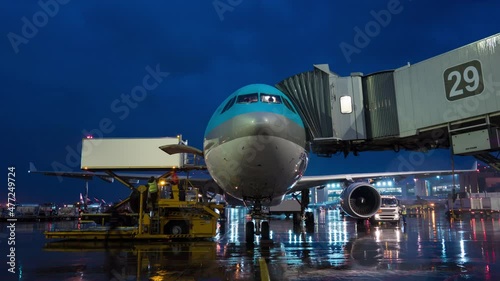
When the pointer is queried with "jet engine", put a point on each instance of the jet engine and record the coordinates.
(360, 200)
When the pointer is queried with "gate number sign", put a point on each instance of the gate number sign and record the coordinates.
(463, 80)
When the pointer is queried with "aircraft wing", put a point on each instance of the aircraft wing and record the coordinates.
(90, 175)
(320, 181)
(129, 177)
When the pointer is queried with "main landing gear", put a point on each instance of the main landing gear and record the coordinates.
(307, 217)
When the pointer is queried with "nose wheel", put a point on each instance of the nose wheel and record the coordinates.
(259, 225)
(257, 228)
(250, 232)
(265, 232)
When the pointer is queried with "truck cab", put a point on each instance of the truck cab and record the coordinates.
(390, 210)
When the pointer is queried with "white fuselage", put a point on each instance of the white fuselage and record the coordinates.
(254, 145)
(257, 167)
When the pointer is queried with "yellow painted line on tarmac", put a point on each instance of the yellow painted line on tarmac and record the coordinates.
(264, 272)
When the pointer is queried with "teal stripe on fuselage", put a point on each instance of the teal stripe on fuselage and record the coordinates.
(243, 108)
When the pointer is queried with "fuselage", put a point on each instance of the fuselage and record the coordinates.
(254, 145)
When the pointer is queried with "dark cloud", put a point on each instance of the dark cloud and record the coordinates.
(64, 80)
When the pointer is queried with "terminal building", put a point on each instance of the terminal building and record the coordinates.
(486, 180)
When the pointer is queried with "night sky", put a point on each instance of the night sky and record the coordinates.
(66, 67)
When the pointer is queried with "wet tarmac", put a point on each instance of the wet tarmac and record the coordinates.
(429, 247)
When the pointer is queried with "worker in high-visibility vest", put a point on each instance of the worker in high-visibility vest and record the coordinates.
(403, 214)
(153, 192)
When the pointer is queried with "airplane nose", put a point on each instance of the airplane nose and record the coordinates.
(262, 124)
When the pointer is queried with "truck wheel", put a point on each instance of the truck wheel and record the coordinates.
(176, 227)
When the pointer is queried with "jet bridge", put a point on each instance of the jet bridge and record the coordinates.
(451, 100)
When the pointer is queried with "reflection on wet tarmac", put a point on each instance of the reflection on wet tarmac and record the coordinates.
(428, 247)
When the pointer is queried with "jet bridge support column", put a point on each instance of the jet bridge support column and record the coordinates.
(421, 187)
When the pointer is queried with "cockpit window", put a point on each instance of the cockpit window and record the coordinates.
(228, 105)
(289, 106)
(248, 98)
(270, 98)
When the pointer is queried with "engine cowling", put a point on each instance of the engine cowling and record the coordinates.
(360, 200)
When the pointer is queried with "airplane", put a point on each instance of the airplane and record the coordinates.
(255, 150)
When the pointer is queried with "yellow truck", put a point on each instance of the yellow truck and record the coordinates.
(173, 218)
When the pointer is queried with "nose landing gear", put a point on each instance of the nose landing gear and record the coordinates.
(250, 232)
(260, 226)
(257, 228)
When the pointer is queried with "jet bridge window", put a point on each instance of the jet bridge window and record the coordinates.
(270, 98)
(250, 98)
(228, 105)
(345, 104)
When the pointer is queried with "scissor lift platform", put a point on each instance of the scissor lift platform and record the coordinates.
(171, 219)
